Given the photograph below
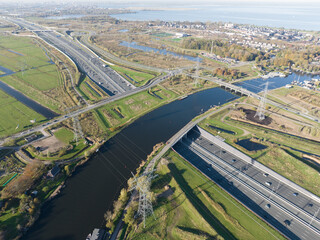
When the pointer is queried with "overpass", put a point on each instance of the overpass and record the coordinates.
(104, 77)
(246, 92)
(41, 30)
(285, 205)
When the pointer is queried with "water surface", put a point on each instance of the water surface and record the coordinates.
(27, 101)
(91, 190)
(288, 15)
(156, 50)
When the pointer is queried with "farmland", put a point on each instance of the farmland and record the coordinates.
(15, 115)
(35, 73)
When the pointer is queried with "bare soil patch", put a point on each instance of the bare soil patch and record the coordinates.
(251, 116)
(51, 144)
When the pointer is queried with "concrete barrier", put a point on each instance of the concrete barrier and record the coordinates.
(255, 163)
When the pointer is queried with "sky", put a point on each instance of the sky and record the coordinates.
(164, 1)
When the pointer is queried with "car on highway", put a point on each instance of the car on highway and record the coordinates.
(268, 183)
(265, 174)
(268, 206)
(295, 194)
(287, 223)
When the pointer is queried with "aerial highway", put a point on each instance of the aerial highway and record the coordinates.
(93, 106)
(106, 78)
(286, 206)
(113, 58)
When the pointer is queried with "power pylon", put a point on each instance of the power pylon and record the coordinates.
(261, 109)
(142, 185)
(77, 129)
(196, 79)
(23, 66)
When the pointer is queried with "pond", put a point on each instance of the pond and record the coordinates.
(159, 51)
(250, 145)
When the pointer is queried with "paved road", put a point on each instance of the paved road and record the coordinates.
(116, 59)
(288, 210)
(105, 77)
(173, 140)
(244, 91)
(113, 98)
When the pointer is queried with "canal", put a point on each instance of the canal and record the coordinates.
(46, 112)
(94, 186)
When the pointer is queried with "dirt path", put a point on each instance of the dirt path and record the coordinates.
(245, 132)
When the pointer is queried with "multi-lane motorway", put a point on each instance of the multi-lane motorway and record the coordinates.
(105, 77)
(283, 204)
(113, 98)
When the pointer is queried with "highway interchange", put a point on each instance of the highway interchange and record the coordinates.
(292, 212)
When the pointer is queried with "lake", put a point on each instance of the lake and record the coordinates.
(293, 15)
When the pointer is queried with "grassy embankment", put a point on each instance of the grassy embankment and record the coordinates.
(118, 114)
(137, 78)
(282, 153)
(196, 208)
(105, 122)
(89, 90)
(301, 98)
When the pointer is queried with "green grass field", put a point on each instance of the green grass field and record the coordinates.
(137, 78)
(198, 209)
(279, 155)
(9, 221)
(26, 54)
(116, 114)
(64, 135)
(88, 92)
(4, 180)
(67, 137)
(35, 75)
(14, 113)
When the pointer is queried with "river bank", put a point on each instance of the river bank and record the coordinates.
(114, 162)
(106, 167)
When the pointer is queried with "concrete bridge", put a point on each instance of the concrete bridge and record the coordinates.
(228, 86)
(40, 30)
(246, 92)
